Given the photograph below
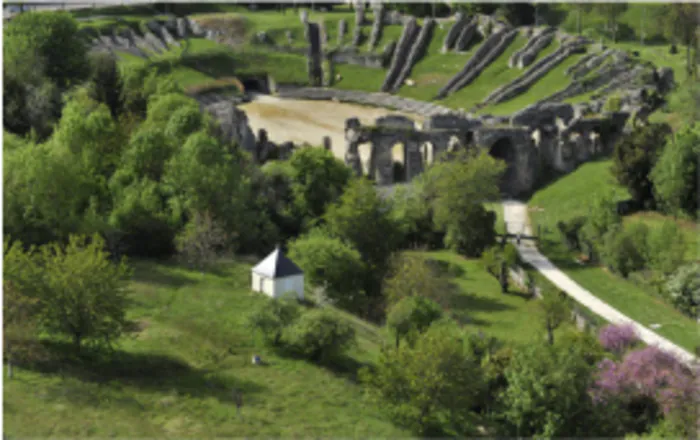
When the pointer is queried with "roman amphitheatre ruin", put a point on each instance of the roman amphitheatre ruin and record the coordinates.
(378, 129)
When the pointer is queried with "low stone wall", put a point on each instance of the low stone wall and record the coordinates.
(480, 53)
(604, 76)
(493, 47)
(529, 55)
(364, 98)
(451, 37)
(417, 51)
(536, 43)
(410, 31)
(591, 64)
(466, 36)
(534, 74)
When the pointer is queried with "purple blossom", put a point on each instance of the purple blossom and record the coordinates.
(618, 338)
(650, 372)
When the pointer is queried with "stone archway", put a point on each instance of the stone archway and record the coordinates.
(398, 159)
(504, 150)
(427, 150)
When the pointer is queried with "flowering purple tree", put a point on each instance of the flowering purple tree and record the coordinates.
(649, 372)
(618, 338)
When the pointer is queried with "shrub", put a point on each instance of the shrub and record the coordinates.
(569, 231)
(412, 315)
(319, 335)
(624, 249)
(683, 288)
(613, 104)
(272, 317)
(618, 338)
(666, 248)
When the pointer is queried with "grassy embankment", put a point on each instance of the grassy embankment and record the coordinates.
(174, 373)
(571, 196)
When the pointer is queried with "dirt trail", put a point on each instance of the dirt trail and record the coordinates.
(308, 122)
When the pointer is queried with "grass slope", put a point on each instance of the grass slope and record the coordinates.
(479, 304)
(174, 377)
(571, 196)
(174, 373)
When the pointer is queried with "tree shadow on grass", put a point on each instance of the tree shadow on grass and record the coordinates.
(156, 274)
(145, 371)
(344, 366)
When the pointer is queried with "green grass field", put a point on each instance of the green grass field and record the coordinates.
(571, 196)
(175, 376)
(174, 373)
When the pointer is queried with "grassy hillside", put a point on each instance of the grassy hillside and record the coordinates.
(571, 196)
(174, 373)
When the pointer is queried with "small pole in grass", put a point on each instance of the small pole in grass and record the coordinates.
(238, 400)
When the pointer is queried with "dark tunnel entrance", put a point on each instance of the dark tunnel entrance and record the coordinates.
(504, 150)
(256, 85)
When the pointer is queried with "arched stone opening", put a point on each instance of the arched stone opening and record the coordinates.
(427, 151)
(504, 150)
(398, 159)
(366, 151)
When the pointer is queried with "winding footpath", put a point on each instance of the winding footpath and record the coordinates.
(516, 218)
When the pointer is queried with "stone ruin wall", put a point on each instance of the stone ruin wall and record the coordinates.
(551, 137)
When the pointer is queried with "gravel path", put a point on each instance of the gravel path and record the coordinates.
(515, 215)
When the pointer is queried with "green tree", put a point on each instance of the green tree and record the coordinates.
(361, 218)
(413, 214)
(547, 393)
(684, 289)
(681, 22)
(554, 311)
(411, 316)
(411, 275)
(148, 153)
(497, 261)
(666, 248)
(272, 317)
(83, 294)
(635, 156)
(46, 194)
(602, 217)
(612, 12)
(675, 175)
(318, 179)
(54, 38)
(333, 265)
(105, 81)
(624, 250)
(427, 385)
(458, 189)
(201, 241)
(320, 335)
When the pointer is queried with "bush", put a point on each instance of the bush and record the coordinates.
(683, 288)
(624, 249)
(272, 318)
(618, 338)
(411, 316)
(666, 248)
(613, 104)
(319, 335)
(570, 230)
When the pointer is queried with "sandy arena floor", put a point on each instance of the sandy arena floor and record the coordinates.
(309, 121)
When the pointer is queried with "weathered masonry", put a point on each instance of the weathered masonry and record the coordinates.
(548, 137)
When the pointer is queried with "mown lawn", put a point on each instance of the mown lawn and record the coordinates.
(175, 375)
(479, 304)
(571, 196)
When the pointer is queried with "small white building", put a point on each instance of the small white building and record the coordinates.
(276, 275)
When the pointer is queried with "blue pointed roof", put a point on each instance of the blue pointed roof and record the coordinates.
(277, 265)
